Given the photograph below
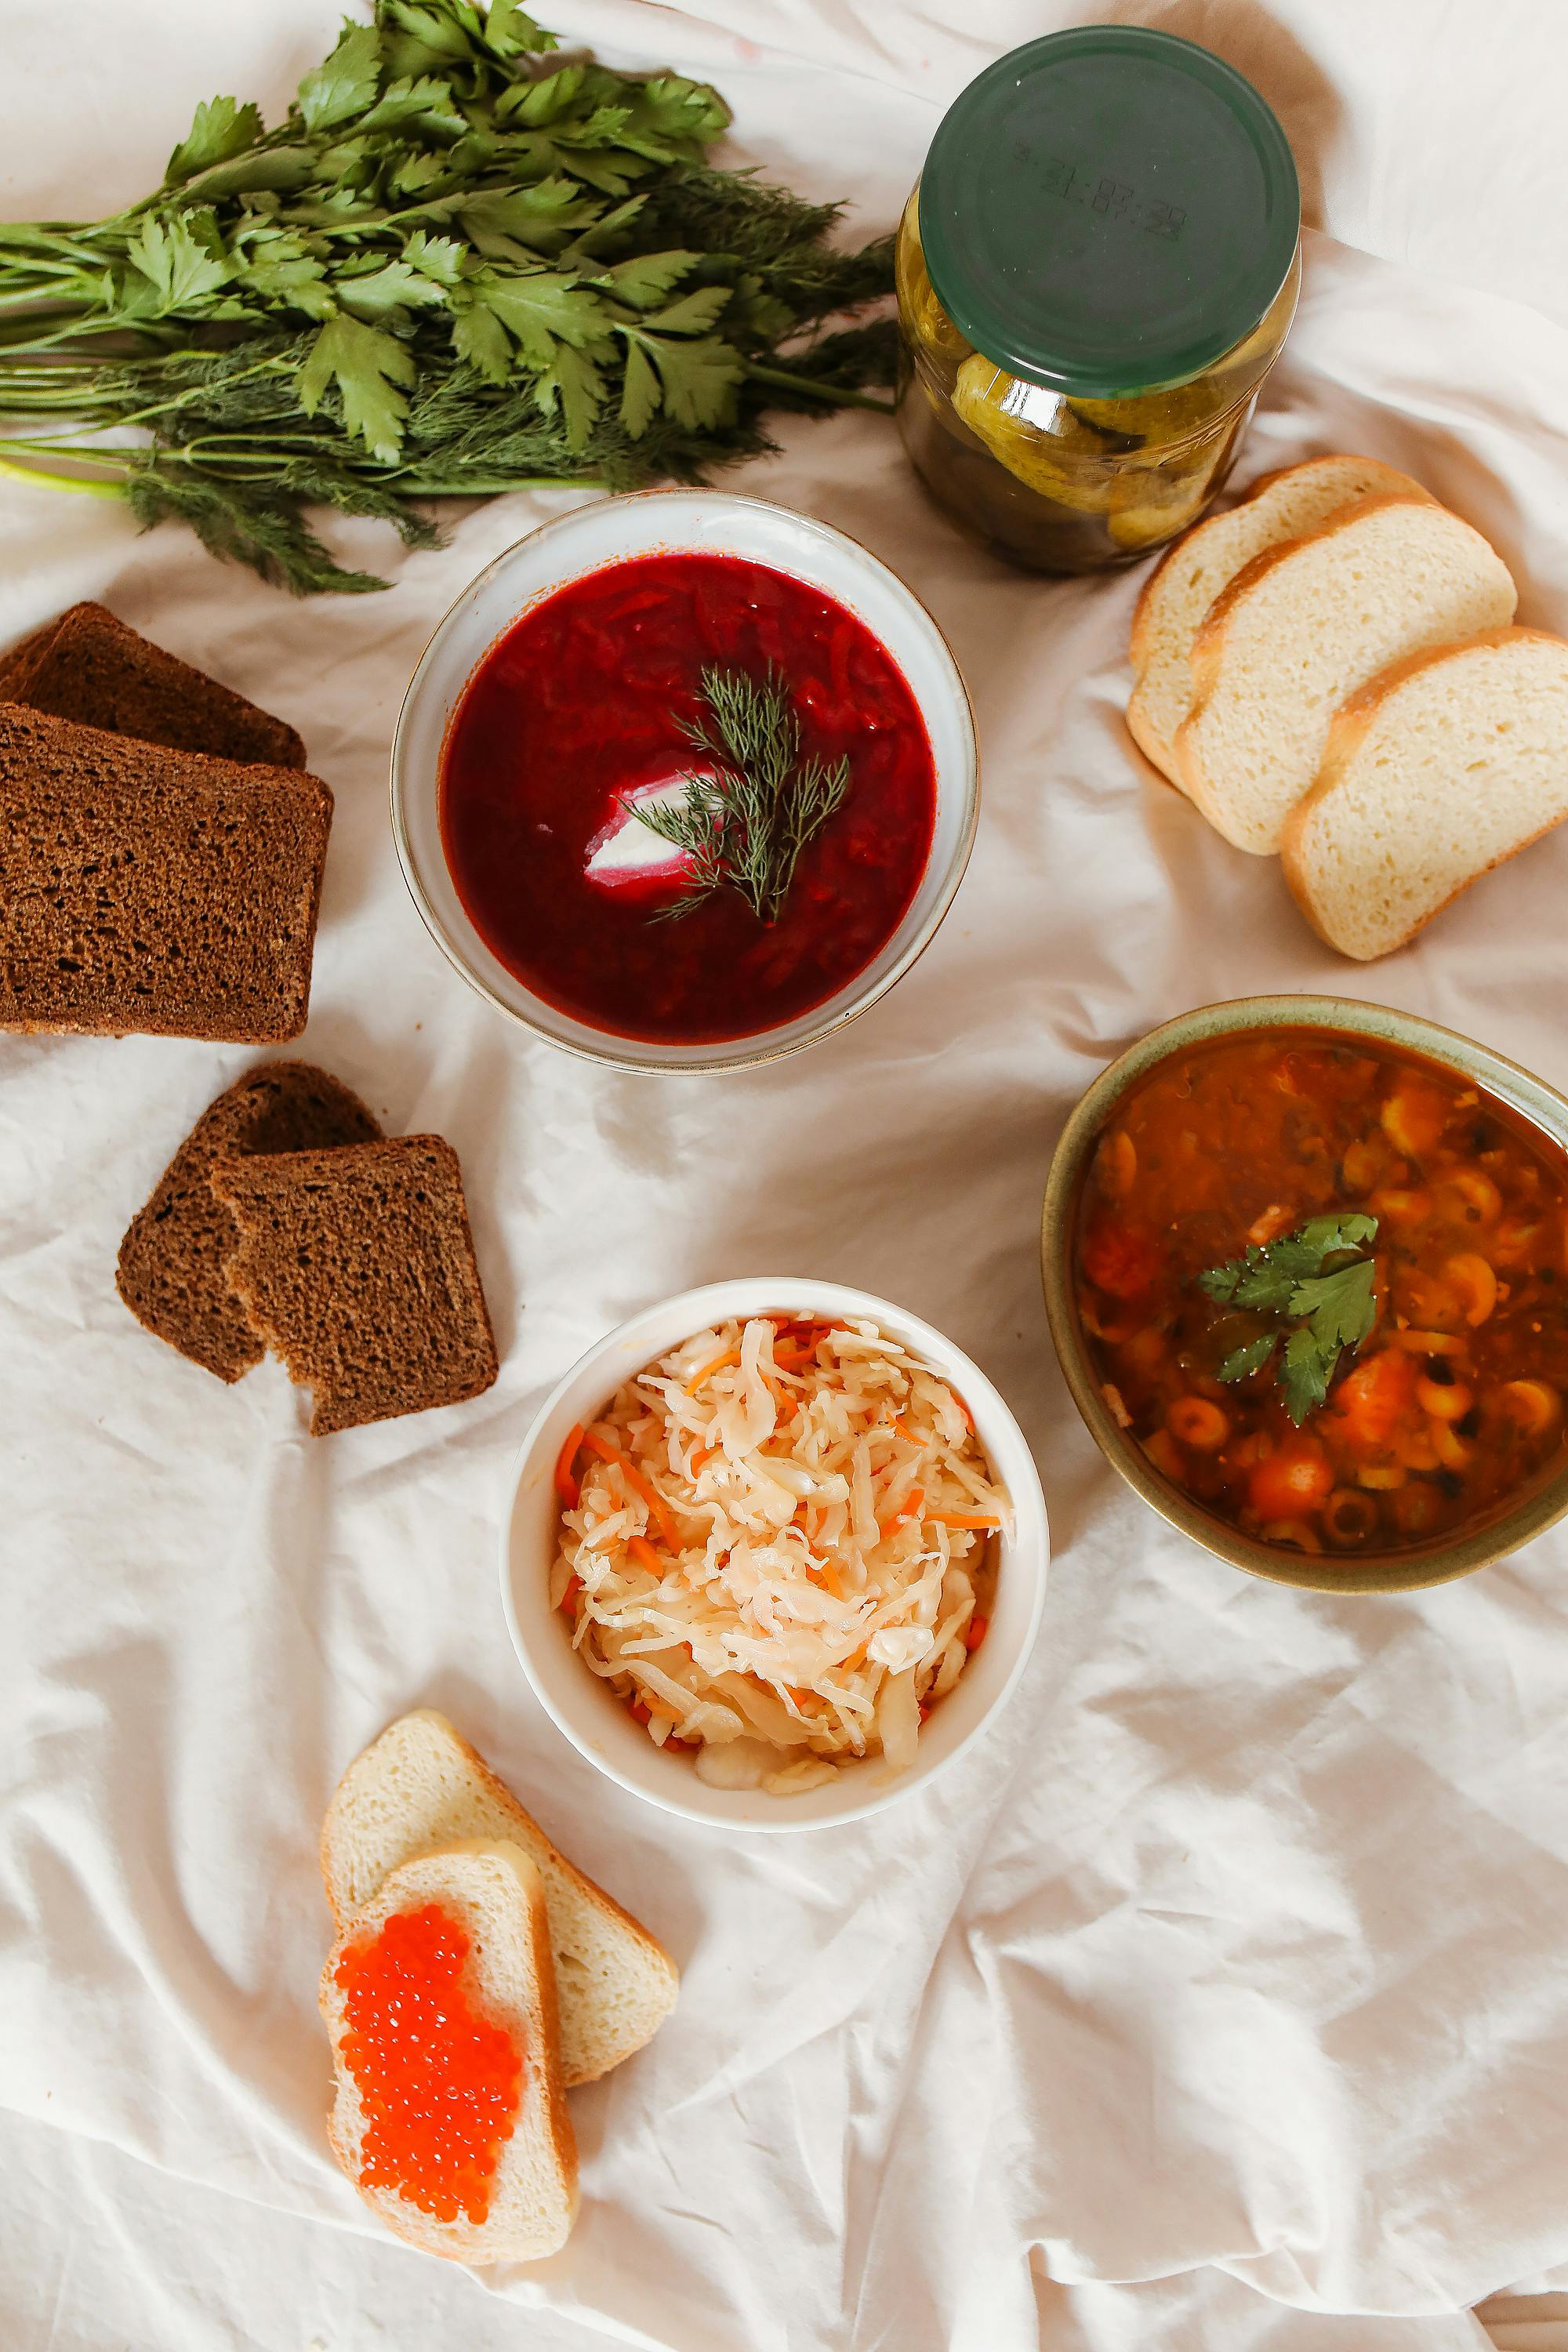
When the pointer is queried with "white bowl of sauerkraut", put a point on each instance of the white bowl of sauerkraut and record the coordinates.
(775, 1553)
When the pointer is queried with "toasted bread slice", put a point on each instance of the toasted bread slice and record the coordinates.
(171, 1272)
(1179, 592)
(1435, 772)
(1301, 627)
(421, 1785)
(89, 666)
(495, 1895)
(357, 1264)
(153, 890)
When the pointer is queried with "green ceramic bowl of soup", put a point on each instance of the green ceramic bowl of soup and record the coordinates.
(1306, 1265)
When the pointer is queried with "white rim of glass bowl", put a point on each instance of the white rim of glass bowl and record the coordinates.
(645, 522)
(587, 1711)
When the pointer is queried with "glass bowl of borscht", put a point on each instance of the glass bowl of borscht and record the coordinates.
(1306, 1265)
(684, 781)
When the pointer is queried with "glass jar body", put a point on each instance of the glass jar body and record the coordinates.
(1058, 482)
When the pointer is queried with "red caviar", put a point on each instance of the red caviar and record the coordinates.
(440, 2085)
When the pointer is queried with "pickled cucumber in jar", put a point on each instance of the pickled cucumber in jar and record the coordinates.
(1095, 274)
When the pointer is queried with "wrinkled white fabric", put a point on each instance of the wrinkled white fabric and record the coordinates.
(1219, 1998)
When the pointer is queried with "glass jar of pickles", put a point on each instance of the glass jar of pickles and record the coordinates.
(1095, 274)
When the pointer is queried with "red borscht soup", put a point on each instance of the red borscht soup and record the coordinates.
(577, 712)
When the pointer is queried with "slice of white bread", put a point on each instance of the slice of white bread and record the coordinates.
(421, 1785)
(1178, 593)
(1435, 772)
(495, 1893)
(1301, 627)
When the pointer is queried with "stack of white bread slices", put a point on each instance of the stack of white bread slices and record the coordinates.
(1328, 671)
(419, 1820)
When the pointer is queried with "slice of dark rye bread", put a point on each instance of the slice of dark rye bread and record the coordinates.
(357, 1266)
(149, 889)
(92, 668)
(171, 1271)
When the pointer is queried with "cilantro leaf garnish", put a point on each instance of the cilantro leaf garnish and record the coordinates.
(1329, 1304)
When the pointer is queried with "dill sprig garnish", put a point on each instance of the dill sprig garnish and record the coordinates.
(744, 825)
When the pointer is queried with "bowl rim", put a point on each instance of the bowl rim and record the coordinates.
(639, 1057)
(1030, 1550)
(1540, 1104)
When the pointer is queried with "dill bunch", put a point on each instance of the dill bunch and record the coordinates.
(454, 270)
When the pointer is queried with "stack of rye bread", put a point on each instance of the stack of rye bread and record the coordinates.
(1328, 672)
(162, 849)
(161, 845)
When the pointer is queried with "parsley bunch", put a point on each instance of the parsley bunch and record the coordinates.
(450, 272)
(1318, 1281)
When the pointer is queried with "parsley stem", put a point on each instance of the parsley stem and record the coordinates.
(41, 474)
(416, 486)
(789, 382)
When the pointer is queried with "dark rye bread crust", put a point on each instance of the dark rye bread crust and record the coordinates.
(171, 1271)
(89, 666)
(154, 890)
(357, 1266)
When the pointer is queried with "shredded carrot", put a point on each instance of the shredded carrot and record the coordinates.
(856, 1657)
(964, 1409)
(643, 1552)
(965, 1518)
(703, 1454)
(569, 1597)
(909, 1509)
(566, 1485)
(638, 1484)
(974, 1633)
(730, 1356)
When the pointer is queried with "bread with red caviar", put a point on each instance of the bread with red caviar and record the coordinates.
(421, 1785)
(391, 2117)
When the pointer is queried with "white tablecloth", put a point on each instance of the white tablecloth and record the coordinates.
(1221, 1995)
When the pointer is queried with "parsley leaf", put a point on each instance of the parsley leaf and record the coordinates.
(367, 368)
(1242, 1362)
(647, 277)
(220, 129)
(1339, 1306)
(1304, 1373)
(508, 30)
(1332, 1306)
(180, 266)
(395, 286)
(1349, 1229)
(698, 378)
(344, 84)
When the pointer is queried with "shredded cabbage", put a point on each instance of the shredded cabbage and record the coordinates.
(797, 1592)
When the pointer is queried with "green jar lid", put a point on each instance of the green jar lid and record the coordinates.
(1107, 210)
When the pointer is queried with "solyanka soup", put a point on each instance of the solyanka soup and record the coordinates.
(1323, 1285)
(582, 731)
